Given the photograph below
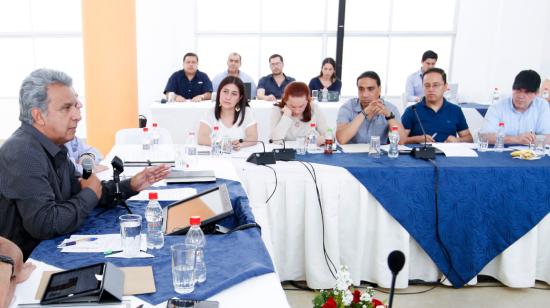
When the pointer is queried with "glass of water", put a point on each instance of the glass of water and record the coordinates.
(315, 95)
(301, 145)
(183, 267)
(540, 145)
(130, 233)
(374, 150)
(482, 142)
(227, 145)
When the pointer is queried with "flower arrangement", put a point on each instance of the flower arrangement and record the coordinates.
(344, 295)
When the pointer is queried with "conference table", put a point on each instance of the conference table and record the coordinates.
(235, 279)
(180, 118)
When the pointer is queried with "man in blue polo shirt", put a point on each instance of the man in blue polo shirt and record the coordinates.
(189, 83)
(524, 114)
(442, 120)
(367, 115)
(414, 91)
(272, 86)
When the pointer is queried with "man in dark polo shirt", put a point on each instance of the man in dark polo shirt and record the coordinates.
(442, 120)
(40, 194)
(189, 83)
(272, 86)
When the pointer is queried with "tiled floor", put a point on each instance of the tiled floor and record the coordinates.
(483, 295)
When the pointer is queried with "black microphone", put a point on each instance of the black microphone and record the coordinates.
(264, 158)
(426, 152)
(87, 166)
(283, 154)
(396, 260)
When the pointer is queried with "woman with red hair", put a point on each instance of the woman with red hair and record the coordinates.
(294, 114)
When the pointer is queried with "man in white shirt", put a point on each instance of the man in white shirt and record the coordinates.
(524, 115)
(414, 89)
(233, 69)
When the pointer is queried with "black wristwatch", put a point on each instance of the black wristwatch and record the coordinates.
(391, 116)
(6, 259)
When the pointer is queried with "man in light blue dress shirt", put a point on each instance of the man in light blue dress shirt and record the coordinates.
(77, 149)
(414, 90)
(524, 114)
(233, 69)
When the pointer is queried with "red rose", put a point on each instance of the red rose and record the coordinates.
(356, 296)
(376, 302)
(330, 303)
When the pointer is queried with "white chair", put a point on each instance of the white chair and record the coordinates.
(135, 136)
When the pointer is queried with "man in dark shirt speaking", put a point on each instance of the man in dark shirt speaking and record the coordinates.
(40, 195)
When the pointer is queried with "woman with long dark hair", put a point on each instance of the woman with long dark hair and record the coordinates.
(327, 78)
(232, 115)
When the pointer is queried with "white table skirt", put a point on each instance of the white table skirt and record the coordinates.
(359, 232)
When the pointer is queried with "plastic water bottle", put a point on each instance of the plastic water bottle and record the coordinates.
(216, 149)
(545, 94)
(191, 144)
(195, 236)
(394, 142)
(312, 138)
(153, 215)
(496, 95)
(499, 143)
(146, 139)
(329, 140)
(155, 135)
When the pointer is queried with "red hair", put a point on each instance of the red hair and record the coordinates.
(298, 89)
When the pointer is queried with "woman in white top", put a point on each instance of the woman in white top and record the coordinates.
(232, 115)
(294, 114)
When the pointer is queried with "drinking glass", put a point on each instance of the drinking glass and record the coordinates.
(130, 233)
(482, 142)
(374, 150)
(183, 267)
(301, 145)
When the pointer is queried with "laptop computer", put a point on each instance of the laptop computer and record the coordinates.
(248, 90)
(191, 176)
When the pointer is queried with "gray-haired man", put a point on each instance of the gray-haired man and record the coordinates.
(40, 194)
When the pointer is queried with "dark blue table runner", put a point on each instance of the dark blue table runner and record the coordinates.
(485, 203)
(230, 259)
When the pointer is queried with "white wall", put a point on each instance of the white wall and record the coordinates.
(495, 40)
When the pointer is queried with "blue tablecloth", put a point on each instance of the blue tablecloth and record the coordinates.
(481, 108)
(485, 203)
(230, 259)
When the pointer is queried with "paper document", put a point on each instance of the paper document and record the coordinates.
(401, 148)
(104, 243)
(355, 148)
(456, 149)
(166, 194)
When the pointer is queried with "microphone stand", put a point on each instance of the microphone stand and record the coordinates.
(118, 168)
(260, 158)
(283, 154)
(425, 152)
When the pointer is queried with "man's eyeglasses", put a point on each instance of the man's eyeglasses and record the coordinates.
(434, 85)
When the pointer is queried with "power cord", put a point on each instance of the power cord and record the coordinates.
(330, 264)
(274, 189)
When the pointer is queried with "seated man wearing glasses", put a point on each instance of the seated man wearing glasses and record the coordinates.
(442, 120)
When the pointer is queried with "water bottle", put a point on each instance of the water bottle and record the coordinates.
(146, 139)
(191, 144)
(216, 149)
(394, 142)
(545, 94)
(499, 143)
(329, 140)
(195, 236)
(496, 95)
(153, 215)
(155, 136)
(312, 139)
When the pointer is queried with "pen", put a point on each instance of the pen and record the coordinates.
(71, 243)
(435, 134)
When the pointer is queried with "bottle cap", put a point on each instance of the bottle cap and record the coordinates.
(145, 129)
(216, 127)
(153, 195)
(394, 128)
(155, 124)
(500, 123)
(312, 124)
(195, 220)
(191, 133)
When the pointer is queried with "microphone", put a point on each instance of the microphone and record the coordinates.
(396, 260)
(263, 158)
(426, 152)
(87, 166)
(283, 154)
